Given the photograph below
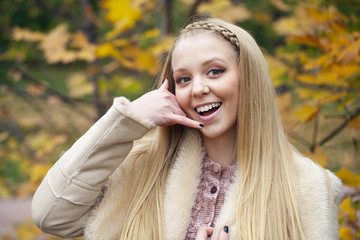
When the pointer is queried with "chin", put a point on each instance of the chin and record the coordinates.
(208, 133)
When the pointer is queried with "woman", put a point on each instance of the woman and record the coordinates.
(205, 154)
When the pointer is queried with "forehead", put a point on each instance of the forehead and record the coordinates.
(204, 44)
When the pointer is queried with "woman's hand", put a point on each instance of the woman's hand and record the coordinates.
(204, 233)
(161, 107)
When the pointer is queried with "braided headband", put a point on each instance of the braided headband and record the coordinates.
(218, 29)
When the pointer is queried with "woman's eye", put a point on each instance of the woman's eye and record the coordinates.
(214, 72)
(183, 80)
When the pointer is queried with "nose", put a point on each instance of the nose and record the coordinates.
(199, 87)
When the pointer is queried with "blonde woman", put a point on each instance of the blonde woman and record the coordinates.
(202, 156)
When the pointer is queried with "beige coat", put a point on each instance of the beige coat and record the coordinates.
(64, 200)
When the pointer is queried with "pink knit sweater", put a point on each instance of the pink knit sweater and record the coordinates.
(214, 183)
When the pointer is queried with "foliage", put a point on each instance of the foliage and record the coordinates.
(60, 71)
(319, 64)
(26, 230)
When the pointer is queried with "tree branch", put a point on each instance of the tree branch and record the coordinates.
(315, 134)
(50, 91)
(167, 22)
(324, 87)
(30, 78)
(193, 8)
(89, 29)
(338, 129)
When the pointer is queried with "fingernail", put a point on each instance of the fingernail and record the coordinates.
(201, 125)
(226, 229)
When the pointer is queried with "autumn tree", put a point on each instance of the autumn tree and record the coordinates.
(319, 67)
(62, 63)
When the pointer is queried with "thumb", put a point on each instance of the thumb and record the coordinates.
(165, 85)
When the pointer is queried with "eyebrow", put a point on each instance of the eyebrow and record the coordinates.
(207, 62)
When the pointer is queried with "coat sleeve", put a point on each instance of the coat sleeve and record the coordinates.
(72, 186)
(320, 195)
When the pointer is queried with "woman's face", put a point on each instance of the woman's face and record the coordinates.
(205, 70)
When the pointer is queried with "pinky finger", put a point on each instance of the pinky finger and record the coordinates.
(183, 120)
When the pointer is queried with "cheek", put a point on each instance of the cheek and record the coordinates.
(182, 99)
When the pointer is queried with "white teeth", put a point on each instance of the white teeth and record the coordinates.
(207, 107)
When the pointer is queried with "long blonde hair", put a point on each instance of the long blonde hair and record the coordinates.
(268, 203)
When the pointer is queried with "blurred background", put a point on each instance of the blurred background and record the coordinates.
(63, 61)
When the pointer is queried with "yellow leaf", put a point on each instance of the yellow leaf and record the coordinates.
(53, 45)
(79, 40)
(152, 33)
(297, 24)
(27, 230)
(78, 85)
(119, 27)
(130, 85)
(307, 113)
(349, 178)
(214, 6)
(350, 52)
(281, 5)
(87, 54)
(345, 70)
(225, 10)
(345, 233)
(321, 97)
(27, 35)
(338, 28)
(38, 172)
(287, 26)
(277, 69)
(355, 123)
(67, 56)
(45, 143)
(323, 77)
(308, 40)
(120, 10)
(106, 50)
(120, 42)
(235, 13)
(328, 14)
(53, 142)
(146, 62)
(346, 210)
(123, 14)
(262, 17)
(163, 46)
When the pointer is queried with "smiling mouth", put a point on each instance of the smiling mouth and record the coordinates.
(208, 109)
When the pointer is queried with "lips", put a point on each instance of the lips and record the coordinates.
(205, 109)
(208, 111)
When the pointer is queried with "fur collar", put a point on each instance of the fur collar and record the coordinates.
(181, 191)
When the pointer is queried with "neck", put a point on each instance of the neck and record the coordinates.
(221, 149)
